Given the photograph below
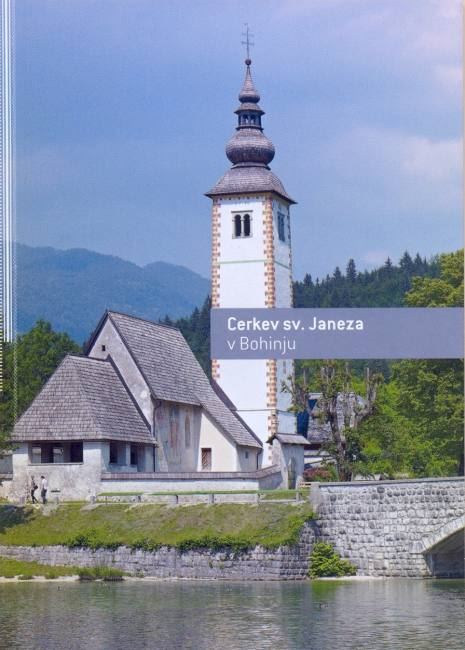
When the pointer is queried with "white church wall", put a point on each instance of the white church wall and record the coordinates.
(282, 286)
(244, 382)
(177, 431)
(242, 285)
(69, 481)
(224, 454)
(241, 248)
(242, 268)
(114, 347)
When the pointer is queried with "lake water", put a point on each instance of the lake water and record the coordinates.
(403, 614)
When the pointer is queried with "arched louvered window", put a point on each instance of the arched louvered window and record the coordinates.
(246, 224)
(242, 225)
(237, 225)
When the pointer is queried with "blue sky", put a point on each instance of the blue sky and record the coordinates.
(123, 109)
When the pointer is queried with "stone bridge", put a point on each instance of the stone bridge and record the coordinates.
(395, 528)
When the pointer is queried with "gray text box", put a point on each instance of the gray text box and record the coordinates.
(353, 333)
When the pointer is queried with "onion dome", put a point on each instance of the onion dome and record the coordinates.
(249, 145)
(249, 150)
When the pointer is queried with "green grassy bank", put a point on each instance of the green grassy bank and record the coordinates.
(10, 568)
(149, 526)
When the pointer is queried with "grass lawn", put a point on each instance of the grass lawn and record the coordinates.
(10, 568)
(149, 526)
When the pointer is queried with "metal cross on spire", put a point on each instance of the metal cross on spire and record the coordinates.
(248, 42)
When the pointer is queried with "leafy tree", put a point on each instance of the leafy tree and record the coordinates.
(431, 391)
(443, 291)
(32, 358)
(417, 426)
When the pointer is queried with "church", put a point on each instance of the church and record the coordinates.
(136, 412)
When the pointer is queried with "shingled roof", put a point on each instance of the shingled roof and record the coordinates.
(84, 399)
(173, 373)
(248, 179)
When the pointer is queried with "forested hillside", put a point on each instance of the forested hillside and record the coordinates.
(383, 287)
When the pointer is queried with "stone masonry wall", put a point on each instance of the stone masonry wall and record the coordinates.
(284, 563)
(386, 528)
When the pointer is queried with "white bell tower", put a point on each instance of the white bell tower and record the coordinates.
(252, 265)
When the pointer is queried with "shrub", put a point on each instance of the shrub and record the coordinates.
(100, 573)
(325, 562)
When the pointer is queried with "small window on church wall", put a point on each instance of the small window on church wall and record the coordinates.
(113, 453)
(237, 225)
(246, 225)
(206, 458)
(187, 432)
(281, 232)
(242, 225)
(133, 455)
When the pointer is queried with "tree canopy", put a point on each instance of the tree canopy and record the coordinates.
(32, 358)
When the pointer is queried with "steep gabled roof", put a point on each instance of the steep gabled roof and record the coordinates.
(172, 372)
(84, 399)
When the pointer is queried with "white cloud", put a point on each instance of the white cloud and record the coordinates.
(394, 172)
(437, 162)
(401, 154)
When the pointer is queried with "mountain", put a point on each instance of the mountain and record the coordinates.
(72, 289)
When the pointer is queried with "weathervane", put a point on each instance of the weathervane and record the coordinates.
(248, 43)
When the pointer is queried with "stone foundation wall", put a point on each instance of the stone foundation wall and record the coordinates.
(383, 527)
(284, 563)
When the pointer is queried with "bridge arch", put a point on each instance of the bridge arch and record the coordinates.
(444, 549)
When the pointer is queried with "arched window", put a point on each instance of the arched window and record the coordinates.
(246, 223)
(242, 225)
(187, 432)
(237, 225)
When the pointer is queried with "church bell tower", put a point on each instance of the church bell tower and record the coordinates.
(251, 265)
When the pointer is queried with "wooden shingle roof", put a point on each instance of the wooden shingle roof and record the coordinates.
(85, 399)
(173, 373)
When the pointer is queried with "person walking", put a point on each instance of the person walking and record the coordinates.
(43, 489)
(34, 487)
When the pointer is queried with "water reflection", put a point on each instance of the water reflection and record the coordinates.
(403, 614)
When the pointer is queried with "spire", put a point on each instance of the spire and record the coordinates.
(249, 146)
(249, 150)
(249, 92)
